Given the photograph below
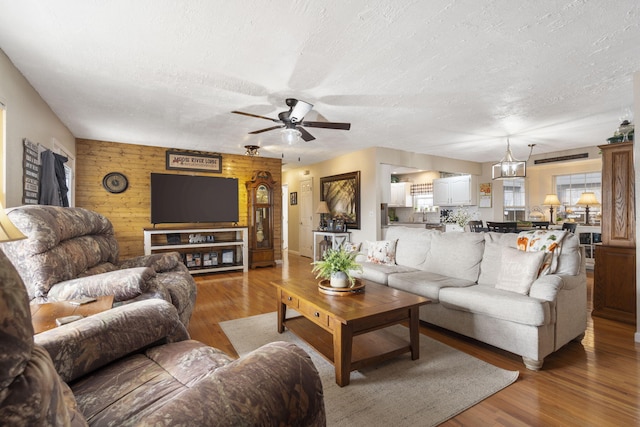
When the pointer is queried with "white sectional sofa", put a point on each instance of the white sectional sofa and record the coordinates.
(476, 280)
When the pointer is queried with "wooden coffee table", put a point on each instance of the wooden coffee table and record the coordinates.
(43, 316)
(349, 330)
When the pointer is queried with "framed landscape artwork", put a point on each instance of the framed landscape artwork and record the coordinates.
(342, 194)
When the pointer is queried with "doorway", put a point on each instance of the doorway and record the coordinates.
(285, 217)
(305, 238)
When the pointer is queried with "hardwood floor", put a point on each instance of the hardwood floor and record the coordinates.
(592, 383)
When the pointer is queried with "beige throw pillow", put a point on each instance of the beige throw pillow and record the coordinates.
(518, 270)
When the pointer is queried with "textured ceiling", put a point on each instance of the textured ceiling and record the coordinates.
(443, 77)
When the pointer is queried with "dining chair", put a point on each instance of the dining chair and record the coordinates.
(502, 227)
(570, 226)
(540, 225)
(476, 226)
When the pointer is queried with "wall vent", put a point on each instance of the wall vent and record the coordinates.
(562, 158)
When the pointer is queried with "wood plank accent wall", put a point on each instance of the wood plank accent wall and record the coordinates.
(130, 211)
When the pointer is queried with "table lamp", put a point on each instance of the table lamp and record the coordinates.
(8, 231)
(551, 200)
(323, 209)
(588, 198)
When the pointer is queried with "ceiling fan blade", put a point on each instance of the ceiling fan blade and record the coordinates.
(256, 116)
(305, 135)
(327, 125)
(266, 129)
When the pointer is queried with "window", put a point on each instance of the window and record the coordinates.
(514, 197)
(570, 187)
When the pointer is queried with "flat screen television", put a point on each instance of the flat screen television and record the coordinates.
(187, 199)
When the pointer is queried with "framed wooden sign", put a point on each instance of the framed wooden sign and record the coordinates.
(181, 160)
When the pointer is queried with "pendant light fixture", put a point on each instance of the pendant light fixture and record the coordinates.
(510, 168)
(252, 150)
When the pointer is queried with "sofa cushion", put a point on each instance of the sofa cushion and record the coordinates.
(456, 255)
(425, 283)
(570, 257)
(518, 270)
(492, 257)
(134, 387)
(382, 252)
(123, 284)
(379, 273)
(47, 226)
(413, 245)
(497, 303)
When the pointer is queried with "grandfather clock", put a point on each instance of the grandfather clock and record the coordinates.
(260, 199)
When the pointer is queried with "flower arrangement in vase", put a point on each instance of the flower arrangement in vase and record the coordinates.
(336, 266)
(461, 217)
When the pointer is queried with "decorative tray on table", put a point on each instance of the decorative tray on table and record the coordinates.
(326, 288)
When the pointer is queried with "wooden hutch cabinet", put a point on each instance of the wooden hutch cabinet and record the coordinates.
(260, 211)
(614, 287)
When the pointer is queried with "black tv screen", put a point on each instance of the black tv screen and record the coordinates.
(185, 199)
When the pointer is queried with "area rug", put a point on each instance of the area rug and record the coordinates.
(398, 392)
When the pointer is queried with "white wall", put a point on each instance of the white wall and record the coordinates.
(362, 161)
(27, 116)
(539, 180)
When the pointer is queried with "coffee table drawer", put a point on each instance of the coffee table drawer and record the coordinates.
(289, 300)
(313, 314)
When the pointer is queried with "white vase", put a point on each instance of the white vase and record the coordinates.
(339, 279)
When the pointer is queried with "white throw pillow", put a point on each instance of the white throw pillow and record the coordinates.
(547, 241)
(382, 252)
(351, 247)
(518, 270)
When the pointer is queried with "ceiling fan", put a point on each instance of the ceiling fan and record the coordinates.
(291, 121)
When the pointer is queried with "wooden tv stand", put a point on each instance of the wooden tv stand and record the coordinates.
(226, 242)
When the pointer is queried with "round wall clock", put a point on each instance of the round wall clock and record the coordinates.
(115, 182)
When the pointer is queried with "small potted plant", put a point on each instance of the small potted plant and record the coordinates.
(336, 266)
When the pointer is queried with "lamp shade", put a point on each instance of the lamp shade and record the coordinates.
(8, 231)
(551, 200)
(323, 208)
(508, 167)
(588, 198)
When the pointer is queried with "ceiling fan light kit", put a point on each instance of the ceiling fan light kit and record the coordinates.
(290, 136)
(291, 122)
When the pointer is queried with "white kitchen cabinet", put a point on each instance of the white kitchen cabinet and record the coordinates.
(455, 191)
(401, 195)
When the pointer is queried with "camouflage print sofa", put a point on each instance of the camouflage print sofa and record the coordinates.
(73, 252)
(134, 365)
